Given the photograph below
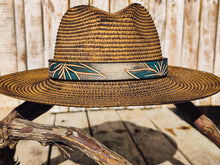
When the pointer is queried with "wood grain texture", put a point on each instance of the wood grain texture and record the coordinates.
(207, 35)
(207, 39)
(57, 109)
(191, 143)
(20, 35)
(76, 109)
(157, 9)
(154, 145)
(216, 98)
(73, 3)
(7, 37)
(7, 46)
(53, 12)
(174, 28)
(104, 5)
(190, 34)
(109, 130)
(34, 34)
(116, 5)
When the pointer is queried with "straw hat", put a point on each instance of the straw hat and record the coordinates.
(104, 59)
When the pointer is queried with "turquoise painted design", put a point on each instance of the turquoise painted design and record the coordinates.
(152, 69)
(108, 71)
(70, 71)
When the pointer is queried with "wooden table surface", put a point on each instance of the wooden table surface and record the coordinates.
(142, 135)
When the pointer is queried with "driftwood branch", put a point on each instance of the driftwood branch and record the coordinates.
(71, 137)
(27, 110)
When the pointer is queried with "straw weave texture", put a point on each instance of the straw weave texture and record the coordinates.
(179, 86)
(87, 34)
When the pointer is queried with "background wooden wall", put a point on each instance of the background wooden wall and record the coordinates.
(189, 31)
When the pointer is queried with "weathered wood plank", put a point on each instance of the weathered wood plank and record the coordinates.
(31, 152)
(207, 34)
(76, 109)
(58, 109)
(79, 120)
(197, 148)
(34, 34)
(157, 9)
(68, 162)
(104, 5)
(7, 46)
(73, 3)
(53, 12)
(4, 112)
(173, 33)
(116, 5)
(207, 39)
(20, 35)
(154, 145)
(110, 131)
(7, 37)
(216, 98)
(75, 119)
(190, 34)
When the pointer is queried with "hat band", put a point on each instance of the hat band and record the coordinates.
(107, 71)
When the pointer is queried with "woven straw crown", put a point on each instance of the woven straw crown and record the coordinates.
(88, 34)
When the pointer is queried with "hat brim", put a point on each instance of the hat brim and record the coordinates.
(180, 85)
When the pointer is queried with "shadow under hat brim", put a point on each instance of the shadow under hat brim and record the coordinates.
(180, 85)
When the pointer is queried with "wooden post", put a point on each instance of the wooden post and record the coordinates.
(209, 11)
(190, 34)
(7, 47)
(200, 121)
(173, 32)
